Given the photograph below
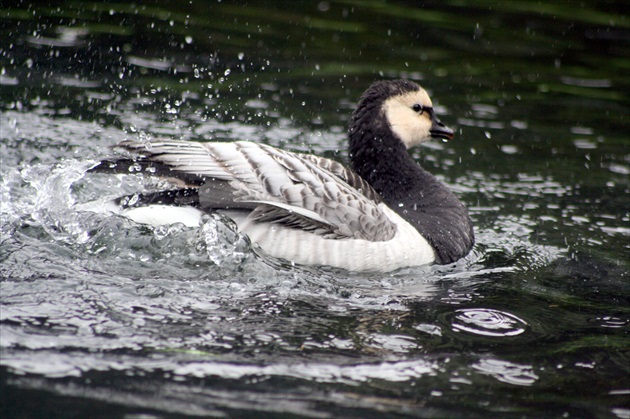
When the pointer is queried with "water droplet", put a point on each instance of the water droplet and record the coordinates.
(160, 232)
(509, 149)
(323, 6)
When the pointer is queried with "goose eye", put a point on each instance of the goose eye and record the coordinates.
(418, 108)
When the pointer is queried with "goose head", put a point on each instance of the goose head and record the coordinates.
(398, 109)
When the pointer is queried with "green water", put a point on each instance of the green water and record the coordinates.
(102, 318)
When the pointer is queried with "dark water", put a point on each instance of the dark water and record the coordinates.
(104, 318)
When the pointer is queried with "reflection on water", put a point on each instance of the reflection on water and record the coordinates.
(507, 372)
(101, 313)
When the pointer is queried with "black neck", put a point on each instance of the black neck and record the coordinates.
(415, 194)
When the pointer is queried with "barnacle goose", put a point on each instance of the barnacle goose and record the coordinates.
(384, 213)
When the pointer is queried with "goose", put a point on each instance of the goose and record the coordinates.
(384, 213)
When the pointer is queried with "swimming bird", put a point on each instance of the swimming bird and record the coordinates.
(384, 213)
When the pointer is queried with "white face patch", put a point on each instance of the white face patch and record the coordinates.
(410, 126)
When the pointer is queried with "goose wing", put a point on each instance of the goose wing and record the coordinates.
(345, 174)
(302, 191)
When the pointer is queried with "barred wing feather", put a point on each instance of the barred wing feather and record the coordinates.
(307, 192)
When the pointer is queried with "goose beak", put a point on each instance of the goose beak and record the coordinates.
(439, 130)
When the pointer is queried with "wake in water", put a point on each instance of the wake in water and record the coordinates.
(65, 207)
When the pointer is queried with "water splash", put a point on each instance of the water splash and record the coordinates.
(220, 239)
(41, 195)
(54, 199)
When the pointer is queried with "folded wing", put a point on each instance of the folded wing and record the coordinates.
(301, 191)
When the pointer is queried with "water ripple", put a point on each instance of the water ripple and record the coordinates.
(488, 322)
(612, 322)
(507, 372)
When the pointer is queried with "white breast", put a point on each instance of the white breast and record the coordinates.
(406, 248)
